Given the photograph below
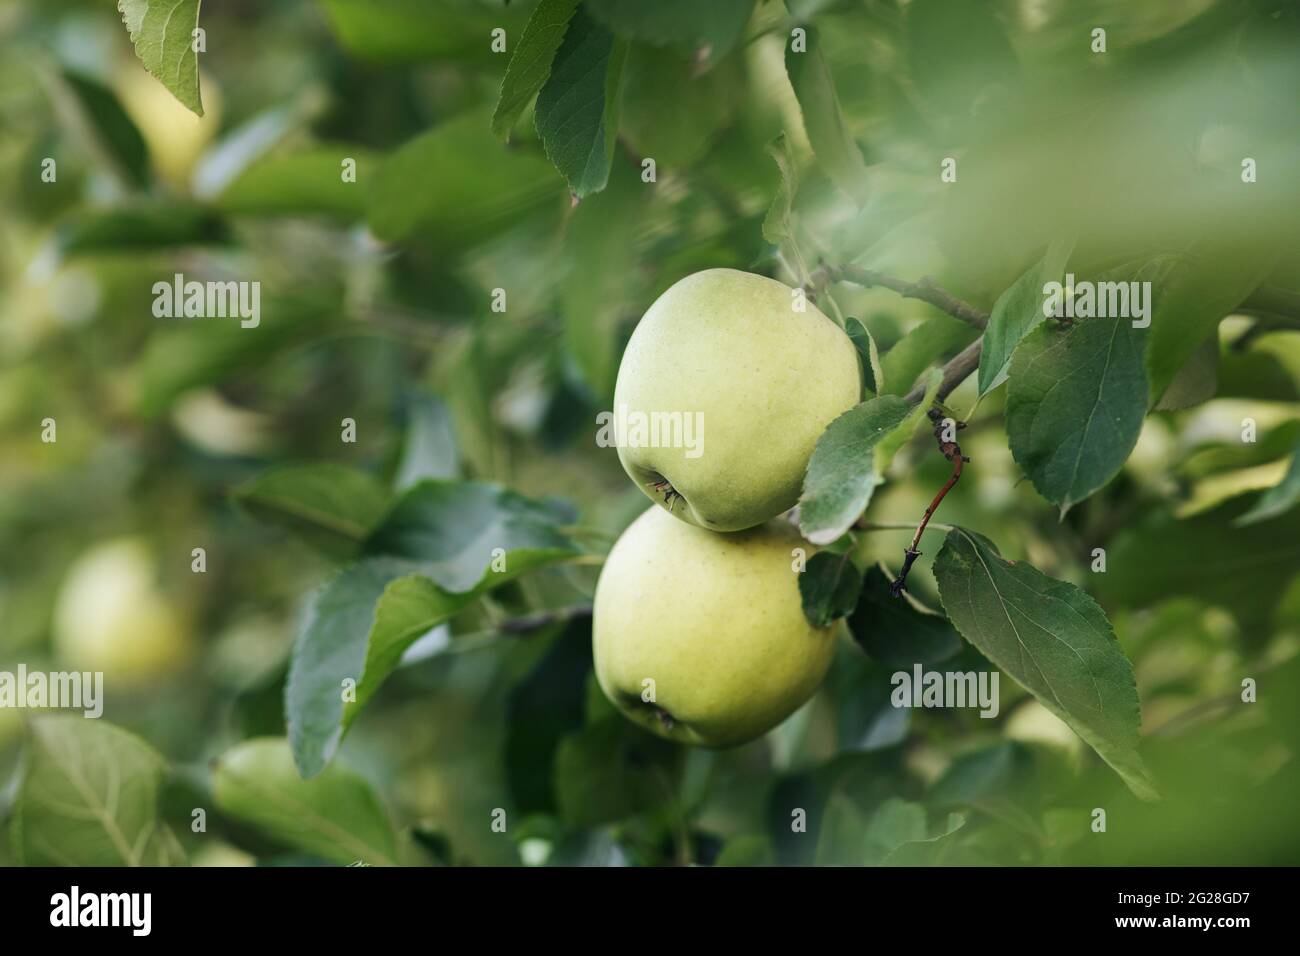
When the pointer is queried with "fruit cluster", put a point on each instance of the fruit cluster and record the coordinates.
(699, 633)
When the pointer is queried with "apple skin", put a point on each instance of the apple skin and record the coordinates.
(111, 616)
(715, 620)
(766, 379)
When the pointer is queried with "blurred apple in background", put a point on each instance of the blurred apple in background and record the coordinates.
(111, 616)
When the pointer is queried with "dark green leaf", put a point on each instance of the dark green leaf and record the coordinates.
(457, 530)
(577, 109)
(140, 227)
(714, 26)
(1279, 499)
(1189, 300)
(895, 632)
(455, 185)
(1016, 312)
(89, 797)
(1052, 639)
(841, 473)
(530, 61)
(404, 31)
(430, 449)
(1075, 405)
(703, 105)
(162, 32)
(836, 151)
(335, 816)
(872, 375)
(607, 771)
(308, 182)
(96, 118)
(829, 588)
(331, 506)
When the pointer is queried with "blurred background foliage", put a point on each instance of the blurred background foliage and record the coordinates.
(377, 307)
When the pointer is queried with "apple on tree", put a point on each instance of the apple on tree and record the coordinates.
(765, 378)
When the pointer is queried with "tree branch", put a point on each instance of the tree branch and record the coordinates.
(925, 289)
(954, 373)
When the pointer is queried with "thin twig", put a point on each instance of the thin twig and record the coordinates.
(925, 289)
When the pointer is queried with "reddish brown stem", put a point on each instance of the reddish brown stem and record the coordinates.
(952, 451)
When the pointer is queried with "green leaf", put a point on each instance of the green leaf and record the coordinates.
(429, 450)
(332, 507)
(829, 588)
(183, 354)
(1190, 299)
(139, 227)
(307, 182)
(455, 186)
(458, 531)
(748, 850)
(930, 851)
(1279, 499)
(409, 31)
(162, 32)
(896, 632)
(842, 833)
(1075, 405)
(872, 374)
(1017, 311)
(359, 624)
(577, 109)
(335, 816)
(94, 115)
(714, 26)
(823, 121)
(1052, 639)
(921, 348)
(703, 105)
(1209, 557)
(841, 473)
(89, 797)
(1198, 379)
(530, 63)
(889, 445)
(607, 771)
(777, 224)
(600, 286)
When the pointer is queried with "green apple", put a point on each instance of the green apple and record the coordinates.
(701, 637)
(111, 616)
(753, 381)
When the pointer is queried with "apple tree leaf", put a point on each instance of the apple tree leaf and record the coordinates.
(713, 27)
(921, 348)
(306, 182)
(335, 815)
(1279, 499)
(530, 62)
(841, 474)
(330, 506)
(162, 32)
(1052, 639)
(89, 797)
(1075, 405)
(829, 588)
(1016, 312)
(896, 632)
(412, 31)
(777, 225)
(823, 121)
(455, 185)
(577, 108)
(440, 547)
(94, 115)
(429, 449)
(873, 375)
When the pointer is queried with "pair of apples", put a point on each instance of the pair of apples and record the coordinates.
(698, 628)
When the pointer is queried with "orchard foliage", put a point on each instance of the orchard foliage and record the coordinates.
(457, 210)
